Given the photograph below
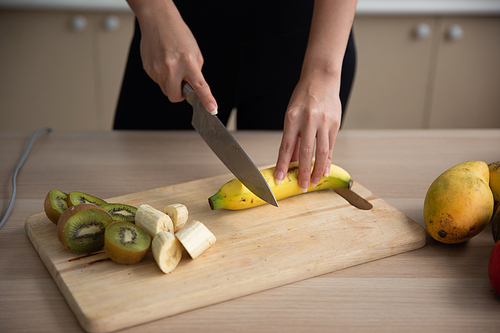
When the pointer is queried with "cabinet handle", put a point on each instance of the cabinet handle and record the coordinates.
(422, 31)
(79, 23)
(455, 32)
(111, 23)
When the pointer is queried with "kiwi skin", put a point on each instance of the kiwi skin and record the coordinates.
(78, 198)
(126, 254)
(69, 218)
(55, 204)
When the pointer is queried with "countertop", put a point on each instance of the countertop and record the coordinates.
(438, 288)
(377, 7)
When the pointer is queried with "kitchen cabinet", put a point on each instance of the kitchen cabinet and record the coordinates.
(466, 91)
(60, 68)
(63, 68)
(426, 72)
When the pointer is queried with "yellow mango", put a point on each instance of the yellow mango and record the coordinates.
(495, 182)
(459, 203)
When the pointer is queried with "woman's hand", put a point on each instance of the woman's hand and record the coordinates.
(169, 51)
(313, 116)
(312, 121)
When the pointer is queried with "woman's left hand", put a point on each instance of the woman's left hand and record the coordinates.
(312, 121)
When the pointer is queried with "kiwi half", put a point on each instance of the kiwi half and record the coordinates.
(56, 202)
(126, 243)
(78, 198)
(81, 228)
(121, 212)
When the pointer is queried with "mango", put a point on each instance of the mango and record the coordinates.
(459, 203)
(494, 168)
(495, 225)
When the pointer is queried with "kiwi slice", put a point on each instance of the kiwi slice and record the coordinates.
(126, 243)
(121, 212)
(78, 198)
(81, 228)
(56, 202)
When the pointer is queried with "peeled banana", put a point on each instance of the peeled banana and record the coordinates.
(167, 251)
(153, 220)
(195, 237)
(235, 196)
(178, 213)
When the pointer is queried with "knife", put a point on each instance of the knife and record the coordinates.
(223, 144)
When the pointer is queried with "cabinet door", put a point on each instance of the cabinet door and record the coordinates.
(466, 90)
(47, 72)
(389, 90)
(113, 38)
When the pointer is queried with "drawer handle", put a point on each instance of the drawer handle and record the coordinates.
(79, 23)
(422, 31)
(455, 32)
(111, 23)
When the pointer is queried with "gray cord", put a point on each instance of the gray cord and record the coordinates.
(16, 170)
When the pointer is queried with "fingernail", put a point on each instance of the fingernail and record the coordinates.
(212, 109)
(315, 181)
(327, 171)
(304, 184)
(278, 178)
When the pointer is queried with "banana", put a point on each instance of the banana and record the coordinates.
(178, 213)
(495, 182)
(152, 220)
(195, 237)
(235, 196)
(167, 251)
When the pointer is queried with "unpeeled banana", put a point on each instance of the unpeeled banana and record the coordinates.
(153, 220)
(235, 196)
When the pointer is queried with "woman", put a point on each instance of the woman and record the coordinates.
(284, 64)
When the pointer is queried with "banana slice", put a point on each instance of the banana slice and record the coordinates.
(178, 213)
(167, 251)
(195, 238)
(152, 220)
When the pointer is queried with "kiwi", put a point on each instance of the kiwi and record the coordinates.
(78, 198)
(56, 202)
(81, 228)
(126, 243)
(121, 212)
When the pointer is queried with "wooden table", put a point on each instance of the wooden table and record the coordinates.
(439, 288)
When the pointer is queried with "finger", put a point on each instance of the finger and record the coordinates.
(202, 89)
(286, 151)
(307, 142)
(295, 155)
(332, 137)
(321, 157)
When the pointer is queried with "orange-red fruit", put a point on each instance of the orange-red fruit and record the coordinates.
(494, 268)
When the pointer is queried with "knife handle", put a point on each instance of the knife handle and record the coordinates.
(187, 92)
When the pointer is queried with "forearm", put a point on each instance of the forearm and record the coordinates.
(330, 29)
(144, 9)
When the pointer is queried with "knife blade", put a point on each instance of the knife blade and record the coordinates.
(227, 149)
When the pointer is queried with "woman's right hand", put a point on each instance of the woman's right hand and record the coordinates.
(169, 51)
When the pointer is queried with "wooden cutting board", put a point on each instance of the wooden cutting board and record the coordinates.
(256, 249)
